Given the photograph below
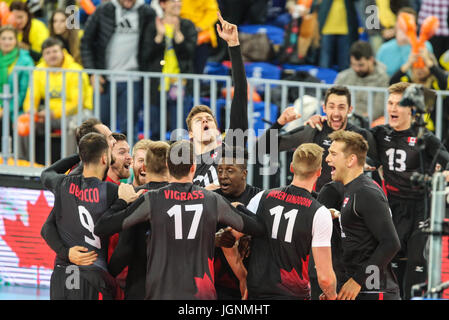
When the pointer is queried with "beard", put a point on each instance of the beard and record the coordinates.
(362, 74)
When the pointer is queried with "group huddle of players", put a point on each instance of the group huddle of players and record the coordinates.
(190, 227)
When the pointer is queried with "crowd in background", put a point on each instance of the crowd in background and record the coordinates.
(360, 40)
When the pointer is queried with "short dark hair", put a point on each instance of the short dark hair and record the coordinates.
(339, 91)
(91, 147)
(361, 49)
(119, 136)
(180, 158)
(52, 41)
(86, 127)
(237, 153)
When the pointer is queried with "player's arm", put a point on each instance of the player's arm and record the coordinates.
(120, 216)
(78, 255)
(239, 105)
(235, 261)
(285, 141)
(123, 252)
(53, 175)
(246, 223)
(322, 255)
(373, 208)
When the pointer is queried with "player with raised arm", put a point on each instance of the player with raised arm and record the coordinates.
(80, 200)
(296, 225)
(369, 239)
(201, 122)
(183, 218)
(337, 107)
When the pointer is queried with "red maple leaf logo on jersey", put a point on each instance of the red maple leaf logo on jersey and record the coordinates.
(294, 283)
(205, 286)
(34, 251)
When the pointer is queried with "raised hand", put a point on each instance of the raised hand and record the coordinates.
(288, 115)
(228, 31)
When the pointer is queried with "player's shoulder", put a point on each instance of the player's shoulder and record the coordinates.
(366, 188)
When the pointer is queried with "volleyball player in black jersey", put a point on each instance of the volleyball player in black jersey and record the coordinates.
(132, 243)
(80, 200)
(369, 239)
(296, 225)
(183, 219)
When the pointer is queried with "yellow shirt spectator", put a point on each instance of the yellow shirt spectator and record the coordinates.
(55, 88)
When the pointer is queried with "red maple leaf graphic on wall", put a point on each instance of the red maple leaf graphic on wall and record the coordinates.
(294, 283)
(205, 286)
(26, 241)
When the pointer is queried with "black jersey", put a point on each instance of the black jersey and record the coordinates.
(399, 156)
(278, 264)
(369, 238)
(131, 252)
(79, 204)
(180, 254)
(225, 279)
(305, 134)
(206, 171)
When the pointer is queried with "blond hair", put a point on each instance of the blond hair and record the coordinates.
(141, 145)
(307, 160)
(156, 157)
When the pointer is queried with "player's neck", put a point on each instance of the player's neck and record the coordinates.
(113, 176)
(304, 184)
(352, 175)
(203, 147)
(182, 180)
(157, 177)
(93, 172)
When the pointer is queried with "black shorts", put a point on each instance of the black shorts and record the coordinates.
(92, 284)
(407, 215)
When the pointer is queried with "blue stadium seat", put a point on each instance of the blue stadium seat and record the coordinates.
(325, 75)
(275, 34)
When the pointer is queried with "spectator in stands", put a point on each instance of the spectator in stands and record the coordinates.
(115, 39)
(172, 51)
(31, 32)
(431, 76)
(55, 56)
(203, 14)
(338, 27)
(12, 56)
(394, 53)
(69, 35)
(440, 9)
(365, 71)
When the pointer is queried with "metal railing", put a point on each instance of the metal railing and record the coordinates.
(10, 143)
